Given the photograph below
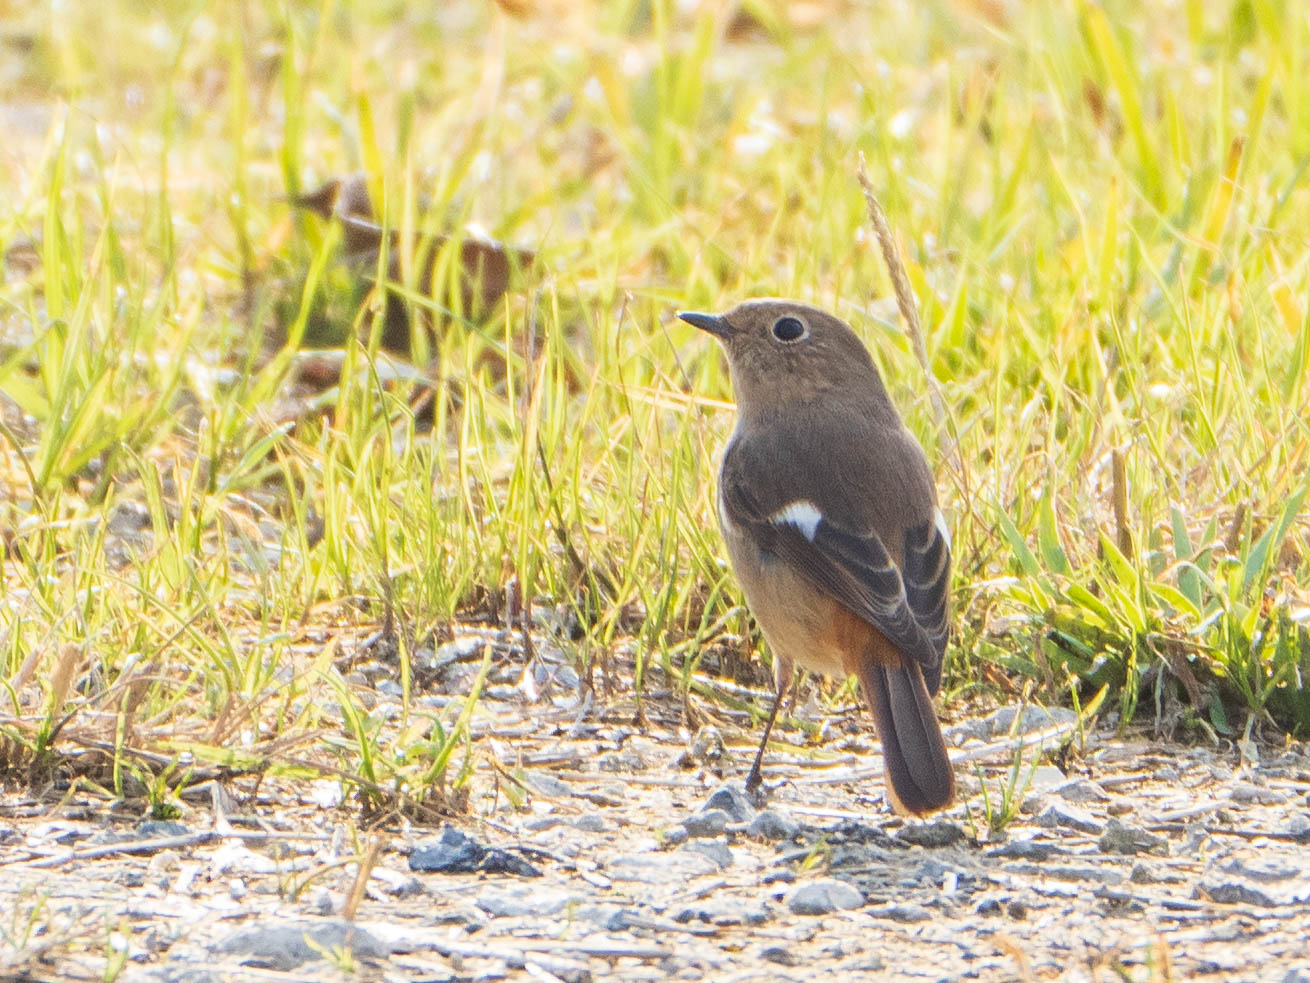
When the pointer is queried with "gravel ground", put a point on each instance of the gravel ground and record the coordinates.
(594, 849)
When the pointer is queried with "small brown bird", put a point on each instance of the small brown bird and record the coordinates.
(829, 512)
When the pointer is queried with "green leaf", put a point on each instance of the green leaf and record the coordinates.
(1027, 562)
(1258, 560)
(1048, 539)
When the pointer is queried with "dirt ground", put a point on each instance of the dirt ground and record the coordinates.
(596, 849)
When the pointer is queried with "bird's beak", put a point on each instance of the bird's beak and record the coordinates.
(713, 323)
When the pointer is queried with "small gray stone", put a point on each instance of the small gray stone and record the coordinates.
(398, 883)
(1267, 871)
(284, 947)
(933, 871)
(716, 850)
(674, 835)
(525, 902)
(975, 729)
(1235, 892)
(1298, 827)
(660, 868)
(822, 897)
(731, 799)
(1032, 804)
(781, 955)
(617, 920)
(319, 902)
(1245, 793)
(590, 823)
(465, 647)
(710, 823)
(723, 913)
(772, 825)
(1027, 850)
(860, 967)
(539, 824)
(860, 855)
(1082, 791)
(1057, 815)
(627, 760)
(1143, 873)
(1119, 837)
(908, 913)
(152, 829)
(458, 853)
(547, 785)
(941, 833)
(128, 518)
(1032, 719)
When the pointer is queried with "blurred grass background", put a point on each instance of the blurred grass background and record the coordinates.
(1104, 212)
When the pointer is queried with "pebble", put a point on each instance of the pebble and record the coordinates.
(1057, 815)
(822, 897)
(152, 829)
(286, 945)
(1235, 892)
(627, 760)
(710, 823)
(937, 834)
(731, 798)
(674, 835)
(397, 883)
(772, 825)
(1119, 837)
(1082, 791)
(1267, 871)
(781, 955)
(1298, 827)
(722, 913)
(1146, 874)
(547, 785)
(716, 850)
(458, 853)
(525, 902)
(1029, 849)
(660, 868)
(1032, 719)
(908, 913)
(1245, 793)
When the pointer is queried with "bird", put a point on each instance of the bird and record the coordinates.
(829, 513)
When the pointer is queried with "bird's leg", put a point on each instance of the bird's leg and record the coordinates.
(754, 779)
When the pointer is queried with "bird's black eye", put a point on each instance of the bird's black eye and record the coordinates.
(788, 329)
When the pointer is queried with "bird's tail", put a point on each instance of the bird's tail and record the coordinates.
(918, 771)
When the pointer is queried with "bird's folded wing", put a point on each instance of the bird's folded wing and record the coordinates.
(926, 571)
(908, 607)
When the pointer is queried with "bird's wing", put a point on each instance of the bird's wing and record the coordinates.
(906, 604)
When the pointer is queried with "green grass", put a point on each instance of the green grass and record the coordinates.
(1102, 210)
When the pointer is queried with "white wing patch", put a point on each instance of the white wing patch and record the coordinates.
(939, 520)
(724, 521)
(803, 515)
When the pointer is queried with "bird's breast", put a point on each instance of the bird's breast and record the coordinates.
(801, 624)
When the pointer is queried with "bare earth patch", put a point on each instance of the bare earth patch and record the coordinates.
(596, 849)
